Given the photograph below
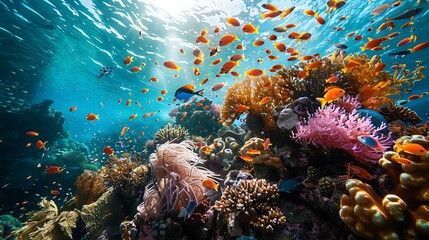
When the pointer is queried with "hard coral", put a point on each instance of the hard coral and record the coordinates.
(392, 112)
(404, 214)
(173, 133)
(333, 127)
(175, 177)
(48, 224)
(89, 187)
(266, 157)
(250, 201)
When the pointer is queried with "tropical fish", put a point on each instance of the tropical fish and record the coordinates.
(232, 21)
(319, 19)
(332, 79)
(92, 117)
(249, 28)
(253, 152)
(371, 142)
(266, 144)
(271, 14)
(407, 40)
(216, 30)
(210, 184)
(258, 42)
(309, 12)
(164, 91)
(313, 65)
(187, 212)
(128, 60)
(32, 133)
(227, 39)
(265, 100)
(218, 86)
(202, 39)
(186, 92)
(401, 160)
(254, 72)
(136, 69)
(419, 47)
(372, 43)
(411, 148)
(228, 66)
(360, 172)
(286, 12)
(289, 185)
(409, 13)
(172, 65)
(153, 79)
(133, 116)
(204, 81)
(145, 90)
(72, 109)
(340, 46)
(241, 108)
(235, 74)
(246, 158)
(217, 61)
(40, 144)
(55, 192)
(53, 169)
(330, 96)
(269, 6)
(124, 130)
(281, 47)
(108, 150)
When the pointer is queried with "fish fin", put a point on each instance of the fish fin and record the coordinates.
(414, 37)
(369, 39)
(236, 38)
(322, 101)
(178, 69)
(216, 187)
(399, 147)
(243, 57)
(257, 30)
(183, 213)
(362, 48)
(245, 73)
(263, 15)
(237, 63)
(200, 93)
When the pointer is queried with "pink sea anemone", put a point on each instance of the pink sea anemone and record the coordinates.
(176, 178)
(334, 127)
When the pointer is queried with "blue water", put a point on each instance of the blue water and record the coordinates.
(55, 49)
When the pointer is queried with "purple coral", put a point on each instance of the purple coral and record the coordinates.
(176, 178)
(334, 127)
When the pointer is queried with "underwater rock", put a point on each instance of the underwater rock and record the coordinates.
(235, 132)
(287, 119)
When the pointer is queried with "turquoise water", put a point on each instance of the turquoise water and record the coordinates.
(56, 49)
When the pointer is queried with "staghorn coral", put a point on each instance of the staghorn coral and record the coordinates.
(333, 127)
(392, 112)
(372, 217)
(48, 224)
(89, 187)
(266, 157)
(175, 177)
(124, 173)
(171, 133)
(249, 201)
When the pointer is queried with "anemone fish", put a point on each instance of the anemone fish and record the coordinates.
(210, 184)
(185, 92)
(330, 96)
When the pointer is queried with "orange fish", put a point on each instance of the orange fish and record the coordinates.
(237, 57)
(218, 86)
(204, 32)
(281, 47)
(128, 60)
(217, 61)
(232, 21)
(204, 81)
(272, 37)
(241, 108)
(313, 65)
(291, 25)
(278, 66)
(216, 30)
(419, 47)
(196, 71)
(401, 160)
(172, 65)
(249, 28)
(40, 144)
(128, 103)
(319, 19)
(228, 66)
(350, 65)
(235, 74)
(159, 99)
(206, 150)
(271, 14)
(360, 172)
(182, 117)
(108, 150)
(55, 192)
(164, 91)
(133, 116)
(227, 39)
(210, 184)
(269, 6)
(303, 36)
(286, 12)
(153, 79)
(358, 37)
(309, 12)
(258, 42)
(136, 69)
(380, 66)
(272, 57)
(332, 79)
(72, 109)
(265, 100)
(254, 72)
(53, 169)
(182, 51)
(202, 39)
(306, 58)
(246, 158)
(124, 130)
(411, 148)
(92, 117)
(372, 43)
(145, 90)
(198, 61)
(32, 133)
(302, 74)
(253, 152)
(331, 95)
(407, 40)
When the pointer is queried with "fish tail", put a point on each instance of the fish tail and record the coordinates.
(236, 38)
(257, 30)
(201, 92)
(263, 15)
(322, 101)
(399, 147)
(362, 48)
(178, 69)
(414, 37)
(216, 187)
(246, 73)
(242, 56)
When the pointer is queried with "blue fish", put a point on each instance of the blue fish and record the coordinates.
(185, 92)
(187, 212)
(371, 142)
(409, 13)
(289, 185)
(376, 119)
(403, 52)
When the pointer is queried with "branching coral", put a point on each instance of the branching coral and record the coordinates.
(333, 127)
(175, 177)
(124, 173)
(48, 224)
(173, 133)
(250, 201)
(89, 187)
(404, 214)
(392, 112)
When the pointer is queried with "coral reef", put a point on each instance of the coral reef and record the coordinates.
(199, 116)
(125, 174)
(175, 177)
(103, 214)
(250, 204)
(171, 133)
(8, 224)
(333, 127)
(48, 223)
(89, 187)
(421, 129)
(402, 214)
(220, 153)
(266, 156)
(392, 112)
